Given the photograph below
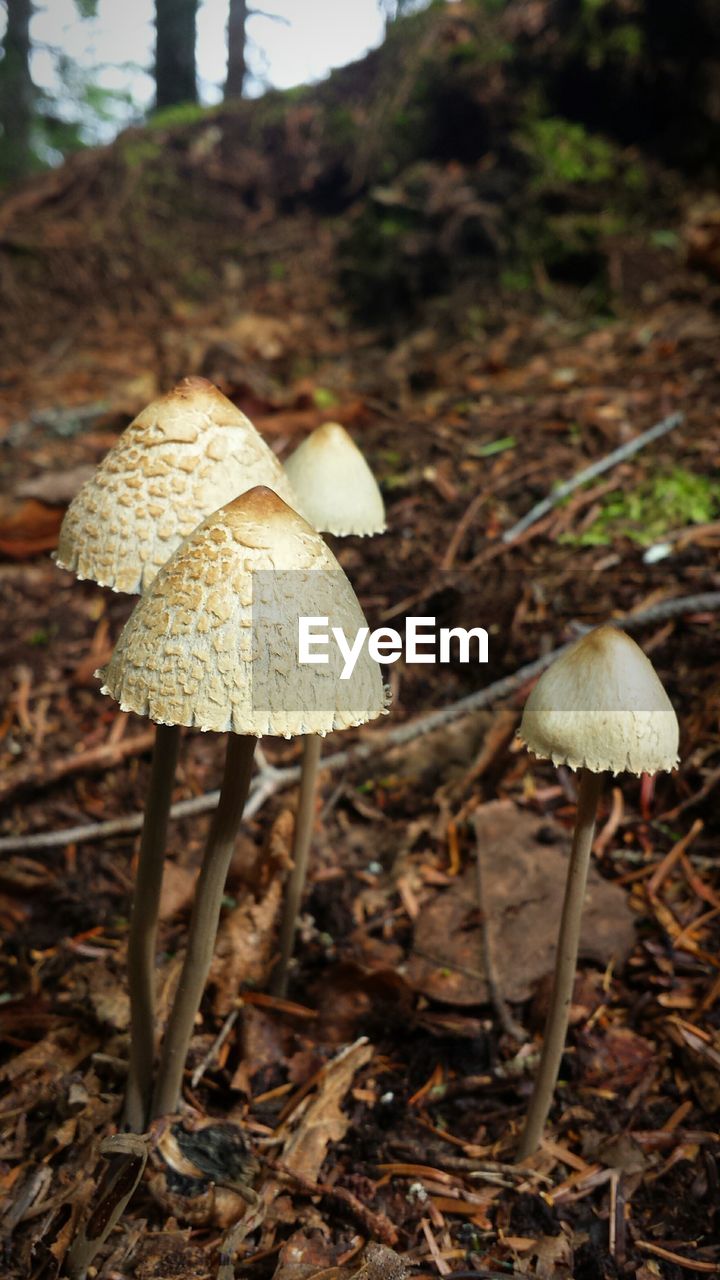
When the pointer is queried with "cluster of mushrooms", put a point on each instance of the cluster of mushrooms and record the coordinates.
(192, 510)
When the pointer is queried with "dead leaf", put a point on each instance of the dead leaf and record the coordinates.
(108, 996)
(524, 886)
(322, 1119)
(304, 1257)
(28, 529)
(616, 1058)
(245, 948)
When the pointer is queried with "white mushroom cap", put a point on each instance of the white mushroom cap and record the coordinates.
(185, 455)
(214, 641)
(602, 707)
(334, 485)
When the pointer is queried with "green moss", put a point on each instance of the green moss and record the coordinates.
(486, 52)
(183, 113)
(341, 127)
(516, 279)
(644, 514)
(137, 150)
(664, 238)
(626, 40)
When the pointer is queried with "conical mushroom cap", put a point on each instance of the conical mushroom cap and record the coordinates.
(601, 707)
(185, 455)
(334, 485)
(214, 641)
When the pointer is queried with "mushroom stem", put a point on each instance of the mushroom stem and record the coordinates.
(312, 748)
(143, 926)
(565, 963)
(204, 921)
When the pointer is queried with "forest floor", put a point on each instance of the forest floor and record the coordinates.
(407, 1138)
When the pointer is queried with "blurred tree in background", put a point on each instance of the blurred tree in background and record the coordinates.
(40, 126)
(17, 92)
(236, 62)
(175, 73)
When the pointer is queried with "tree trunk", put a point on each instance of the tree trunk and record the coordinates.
(236, 68)
(175, 77)
(17, 91)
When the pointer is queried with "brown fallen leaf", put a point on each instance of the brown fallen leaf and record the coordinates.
(320, 1120)
(616, 1057)
(28, 528)
(524, 883)
(305, 1257)
(245, 947)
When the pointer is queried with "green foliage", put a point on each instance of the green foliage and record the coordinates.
(601, 39)
(324, 398)
(643, 515)
(493, 447)
(665, 238)
(564, 152)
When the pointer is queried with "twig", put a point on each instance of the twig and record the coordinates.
(589, 473)
(215, 1047)
(507, 1022)
(271, 780)
(375, 1226)
(689, 1264)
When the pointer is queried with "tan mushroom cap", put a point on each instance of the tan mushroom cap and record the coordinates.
(602, 707)
(214, 641)
(185, 455)
(334, 485)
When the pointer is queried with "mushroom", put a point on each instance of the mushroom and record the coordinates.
(334, 485)
(214, 644)
(600, 708)
(182, 457)
(340, 495)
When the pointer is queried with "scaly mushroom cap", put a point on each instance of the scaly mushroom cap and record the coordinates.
(334, 484)
(601, 707)
(184, 456)
(214, 642)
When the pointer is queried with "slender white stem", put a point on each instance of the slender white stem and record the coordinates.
(312, 749)
(565, 963)
(204, 922)
(143, 927)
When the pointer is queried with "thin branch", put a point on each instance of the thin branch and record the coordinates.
(595, 469)
(268, 781)
(272, 17)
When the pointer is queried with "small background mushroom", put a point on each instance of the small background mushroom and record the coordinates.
(336, 488)
(599, 709)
